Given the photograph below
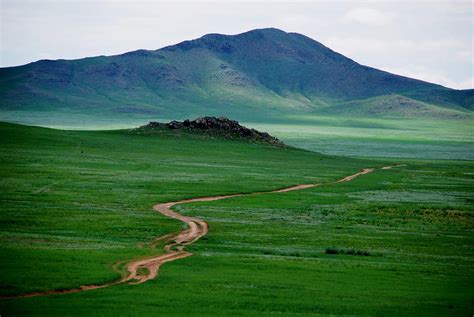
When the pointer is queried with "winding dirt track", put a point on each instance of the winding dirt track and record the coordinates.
(144, 269)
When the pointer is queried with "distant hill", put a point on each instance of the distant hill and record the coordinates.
(258, 75)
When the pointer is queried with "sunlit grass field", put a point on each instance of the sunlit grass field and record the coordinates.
(378, 137)
(393, 242)
(67, 196)
(354, 136)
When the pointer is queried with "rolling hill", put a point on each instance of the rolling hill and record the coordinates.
(264, 74)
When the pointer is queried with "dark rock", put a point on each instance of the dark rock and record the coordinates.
(213, 126)
(153, 125)
(174, 125)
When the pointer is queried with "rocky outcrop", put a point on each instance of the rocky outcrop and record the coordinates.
(213, 126)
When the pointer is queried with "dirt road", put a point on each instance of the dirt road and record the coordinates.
(144, 269)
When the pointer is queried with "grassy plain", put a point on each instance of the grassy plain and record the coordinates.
(378, 137)
(75, 203)
(70, 191)
(354, 136)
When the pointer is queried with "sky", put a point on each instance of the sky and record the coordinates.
(427, 40)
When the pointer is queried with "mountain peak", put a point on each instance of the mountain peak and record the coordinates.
(214, 40)
(269, 30)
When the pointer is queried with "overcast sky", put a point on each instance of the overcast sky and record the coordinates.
(427, 40)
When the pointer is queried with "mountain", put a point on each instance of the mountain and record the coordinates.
(260, 74)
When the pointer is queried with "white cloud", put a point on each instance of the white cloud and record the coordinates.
(367, 16)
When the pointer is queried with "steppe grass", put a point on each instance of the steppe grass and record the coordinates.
(451, 139)
(75, 203)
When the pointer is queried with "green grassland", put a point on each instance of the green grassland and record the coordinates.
(70, 191)
(75, 204)
(342, 134)
(378, 137)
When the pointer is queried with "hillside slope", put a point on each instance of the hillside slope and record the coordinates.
(258, 74)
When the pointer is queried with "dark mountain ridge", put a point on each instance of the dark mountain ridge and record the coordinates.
(260, 74)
